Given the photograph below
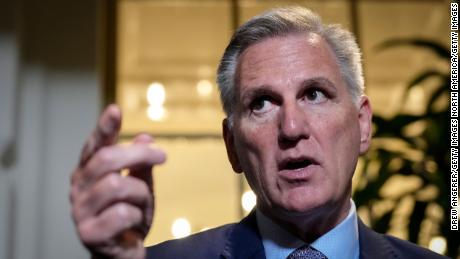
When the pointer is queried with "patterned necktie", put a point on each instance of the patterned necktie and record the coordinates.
(306, 252)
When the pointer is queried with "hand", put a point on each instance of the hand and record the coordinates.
(113, 213)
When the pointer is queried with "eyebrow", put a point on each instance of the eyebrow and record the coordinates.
(261, 90)
(319, 80)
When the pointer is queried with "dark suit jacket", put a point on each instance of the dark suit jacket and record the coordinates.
(242, 240)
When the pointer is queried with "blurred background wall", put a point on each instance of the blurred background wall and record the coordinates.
(62, 61)
(49, 99)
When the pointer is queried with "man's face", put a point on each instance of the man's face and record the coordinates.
(296, 133)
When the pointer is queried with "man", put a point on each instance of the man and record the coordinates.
(297, 120)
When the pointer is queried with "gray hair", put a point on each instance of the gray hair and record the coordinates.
(281, 22)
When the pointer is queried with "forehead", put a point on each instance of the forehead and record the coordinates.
(292, 42)
(293, 56)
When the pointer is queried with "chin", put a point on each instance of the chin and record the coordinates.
(302, 205)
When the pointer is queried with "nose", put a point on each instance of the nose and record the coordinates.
(293, 125)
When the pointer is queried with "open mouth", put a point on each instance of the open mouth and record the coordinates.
(298, 170)
(295, 164)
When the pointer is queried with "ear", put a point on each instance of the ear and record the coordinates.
(230, 146)
(365, 124)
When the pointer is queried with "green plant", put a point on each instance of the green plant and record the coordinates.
(395, 153)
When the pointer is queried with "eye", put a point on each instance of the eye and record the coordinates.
(261, 104)
(315, 95)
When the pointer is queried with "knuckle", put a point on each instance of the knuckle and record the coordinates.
(128, 214)
(77, 177)
(113, 182)
(75, 193)
(104, 156)
(85, 231)
(136, 216)
(79, 211)
(123, 211)
(143, 188)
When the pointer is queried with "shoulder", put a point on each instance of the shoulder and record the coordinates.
(375, 245)
(206, 244)
(407, 249)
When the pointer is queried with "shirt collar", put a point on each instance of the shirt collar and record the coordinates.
(340, 242)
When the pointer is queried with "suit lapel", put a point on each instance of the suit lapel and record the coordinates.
(372, 245)
(244, 241)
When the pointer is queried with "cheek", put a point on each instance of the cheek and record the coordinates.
(258, 135)
(339, 139)
(252, 146)
(255, 149)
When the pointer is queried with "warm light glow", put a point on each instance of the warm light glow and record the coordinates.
(156, 94)
(181, 228)
(248, 200)
(438, 244)
(417, 93)
(204, 88)
(415, 100)
(204, 229)
(124, 172)
(156, 113)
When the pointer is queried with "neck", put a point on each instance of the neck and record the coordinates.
(309, 226)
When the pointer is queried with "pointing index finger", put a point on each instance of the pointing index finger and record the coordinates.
(105, 133)
(144, 173)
